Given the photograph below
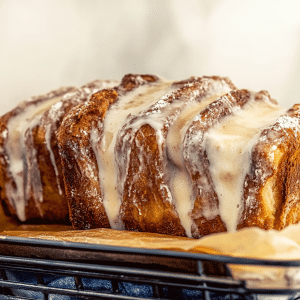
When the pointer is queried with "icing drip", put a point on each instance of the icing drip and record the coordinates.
(58, 110)
(169, 117)
(228, 146)
(22, 158)
(52, 157)
(129, 104)
(180, 185)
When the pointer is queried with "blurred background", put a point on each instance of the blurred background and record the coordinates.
(45, 44)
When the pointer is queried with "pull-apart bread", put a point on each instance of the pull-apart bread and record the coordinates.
(185, 158)
(31, 180)
(114, 151)
(245, 167)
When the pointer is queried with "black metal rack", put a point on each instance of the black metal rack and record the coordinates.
(43, 269)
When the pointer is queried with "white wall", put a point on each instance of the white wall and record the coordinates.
(45, 44)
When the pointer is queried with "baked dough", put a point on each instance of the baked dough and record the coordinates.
(116, 150)
(186, 158)
(31, 180)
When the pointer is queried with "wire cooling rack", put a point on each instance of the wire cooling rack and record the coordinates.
(43, 269)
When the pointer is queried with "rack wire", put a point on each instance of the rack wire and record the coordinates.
(43, 269)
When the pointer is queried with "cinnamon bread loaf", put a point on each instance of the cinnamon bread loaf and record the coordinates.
(186, 158)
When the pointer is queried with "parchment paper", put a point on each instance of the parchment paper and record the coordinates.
(247, 243)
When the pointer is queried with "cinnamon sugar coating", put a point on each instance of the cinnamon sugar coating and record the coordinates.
(271, 194)
(32, 210)
(78, 158)
(35, 193)
(140, 155)
(147, 200)
(161, 158)
(206, 199)
(185, 158)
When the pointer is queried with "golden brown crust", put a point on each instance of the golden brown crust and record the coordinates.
(32, 209)
(43, 180)
(131, 81)
(52, 196)
(79, 161)
(147, 204)
(45, 143)
(274, 177)
(144, 206)
(201, 79)
(206, 199)
(270, 198)
(78, 158)
(290, 210)
(258, 212)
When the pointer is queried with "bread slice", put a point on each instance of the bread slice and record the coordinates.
(271, 188)
(114, 152)
(186, 158)
(156, 195)
(31, 179)
(19, 180)
(81, 138)
(242, 174)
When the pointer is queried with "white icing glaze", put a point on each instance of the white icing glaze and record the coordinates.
(25, 173)
(180, 184)
(175, 115)
(58, 110)
(179, 127)
(130, 104)
(228, 145)
(48, 133)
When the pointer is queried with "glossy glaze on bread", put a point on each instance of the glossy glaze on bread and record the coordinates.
(31, 178)
(223, 136)
(152, 174)
(141, 197)
(188, 158)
